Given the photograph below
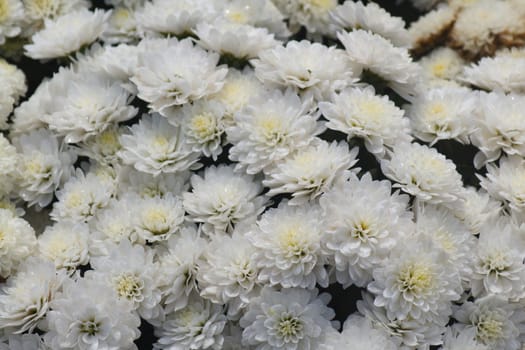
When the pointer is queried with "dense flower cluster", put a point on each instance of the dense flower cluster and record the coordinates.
(215, 168)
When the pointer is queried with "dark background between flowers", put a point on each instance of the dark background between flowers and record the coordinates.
(343, 300)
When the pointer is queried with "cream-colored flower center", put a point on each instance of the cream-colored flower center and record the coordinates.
(57, 247)
(292, 242)
(488, 329)
(372, 108)
(437, 110)
(416, 278)
(361, 231)
(109, 140)
(445, 240)
(129, 286)
(289, 327)
(496, 262)
(90, 327)
(203, 125)
(323, 5)
(236, 16)
(4, 10)
(74, 199)
(271, 128)
(439, 69)
(34, 165)
(120, 17)
(161, 143)
(156, 220)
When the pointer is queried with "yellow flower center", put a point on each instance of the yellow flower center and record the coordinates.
(129, 286)
(57, 247)
(489, 330)
(120, 17)
(271, 128)
(289, 327)
(203, 125)
(237, 16)
(109, 140)
(415, 278)
(74, 200)
(4, 10)
(323, 5)
(439, 69)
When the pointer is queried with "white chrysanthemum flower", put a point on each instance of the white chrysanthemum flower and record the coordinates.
(131, 272)
(352, 15)
(179, 267)
(506, 182)
(175, 18)
(359, 112)
(270, 128)
(67, 34)
(238, 41)
(477, 209)
(379, 56)
(155, 146)
(289, 250)
(121, 26)
(258, 13)
(409, 333)
(312, 14)
(448, 234)
(23, 342)
(416, 282)
(461, 340)
(176, 74)
(503, 72)
(199, 325)
(13, 79)
(430, 28)
(423, 172)
(43, 167)
(443, 114)
(311, 171)
(499, 127)
(25, 297)
(111, 225)
(486, 25)
(148, 185)
(17, 242)
(359, 333)
(88, 312)
(116, 62)
(291, 319)
(11, 19)
(229, 275)
(499, 267)
(87, 106)
(441, 64)
(238, 89)
(305, 66)
(497, 323)
(65, 244)
(157, 218)
(204, 124)
(81, 197)
(363, 223)
(221, 198)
